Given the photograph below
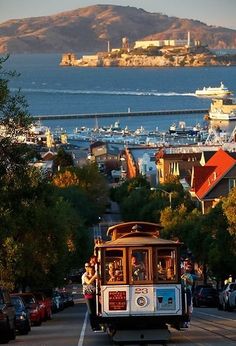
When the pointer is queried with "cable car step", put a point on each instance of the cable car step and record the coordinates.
(137, 336)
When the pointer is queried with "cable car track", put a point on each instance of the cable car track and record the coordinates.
(219, 328)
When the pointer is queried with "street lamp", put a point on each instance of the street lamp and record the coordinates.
(167, 192)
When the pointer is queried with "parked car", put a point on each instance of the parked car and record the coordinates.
(57, 301)
(45, 305)
(232, 299)
(23, 323)
(224, 296)
(207, 296)
(197, 290)
(33, 306)
(7, 317)
(67, 299)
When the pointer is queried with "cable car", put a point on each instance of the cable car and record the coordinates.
(139, 289)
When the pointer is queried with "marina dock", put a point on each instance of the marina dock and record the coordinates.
(120, 114)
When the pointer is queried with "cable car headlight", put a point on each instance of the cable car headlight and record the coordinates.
(142, 301)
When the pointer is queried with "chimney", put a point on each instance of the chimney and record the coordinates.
(189, 39)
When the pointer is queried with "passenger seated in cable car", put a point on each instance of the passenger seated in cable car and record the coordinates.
(115, 274)
(111, 271)
(138, 269)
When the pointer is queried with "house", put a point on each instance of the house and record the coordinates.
(141, 160)
(175, 163)
(147, 167)
(214, 180)
(104, 154)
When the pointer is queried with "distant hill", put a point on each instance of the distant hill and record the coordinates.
(89, 29)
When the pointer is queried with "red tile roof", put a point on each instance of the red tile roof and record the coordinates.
(206, 177)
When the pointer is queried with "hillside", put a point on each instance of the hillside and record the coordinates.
(89, 29)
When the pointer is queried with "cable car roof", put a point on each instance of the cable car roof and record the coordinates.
(121, 229)
(136, 233)
(138, 240)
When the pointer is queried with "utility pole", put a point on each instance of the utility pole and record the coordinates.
(166, 192)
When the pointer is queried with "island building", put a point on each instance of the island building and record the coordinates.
(108, 58)
(144, 44)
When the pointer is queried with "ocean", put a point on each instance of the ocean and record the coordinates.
(50, 89)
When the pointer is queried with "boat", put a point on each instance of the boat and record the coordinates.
(220, 91)
(222, 109)
(182, 130)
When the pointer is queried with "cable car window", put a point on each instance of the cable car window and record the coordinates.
(166, 264)
(139, 265)
(114, 266)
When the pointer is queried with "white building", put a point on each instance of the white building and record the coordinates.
(147, 167)
(161, 43)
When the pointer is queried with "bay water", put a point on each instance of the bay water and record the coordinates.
(51, 89)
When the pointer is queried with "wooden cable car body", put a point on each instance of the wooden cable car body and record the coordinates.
(139, 288)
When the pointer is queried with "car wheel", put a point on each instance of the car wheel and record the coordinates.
(13, 333)
(4, 339)
(49, 316)
(228, 307)
(224, 305)
(38, 323)
(24, 331)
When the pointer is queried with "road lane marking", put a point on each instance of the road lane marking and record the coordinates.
(220, 317)
(81, 338)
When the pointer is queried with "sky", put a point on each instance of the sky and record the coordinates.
(211, 12)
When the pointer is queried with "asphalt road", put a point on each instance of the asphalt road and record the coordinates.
(71, 328)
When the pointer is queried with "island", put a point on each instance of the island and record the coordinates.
(152, 53)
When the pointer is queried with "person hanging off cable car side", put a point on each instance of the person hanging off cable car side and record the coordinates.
(188, 277)
(89, 291)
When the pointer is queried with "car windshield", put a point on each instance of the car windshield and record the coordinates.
(38, 296)
(208, 290)
(29, 299)
(17, 302)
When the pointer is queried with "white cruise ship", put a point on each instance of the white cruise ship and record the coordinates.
(222, 109)
(220, 91)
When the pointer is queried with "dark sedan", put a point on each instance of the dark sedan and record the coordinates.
(207, 296)
(23, 324)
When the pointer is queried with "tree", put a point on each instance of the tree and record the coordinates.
(16, 176)
(229, 207)
(63, 159)
(38, 228)
(65, 179)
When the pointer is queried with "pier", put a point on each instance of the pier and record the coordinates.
(119, 114)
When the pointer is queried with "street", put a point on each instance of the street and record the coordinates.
(71, 328)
